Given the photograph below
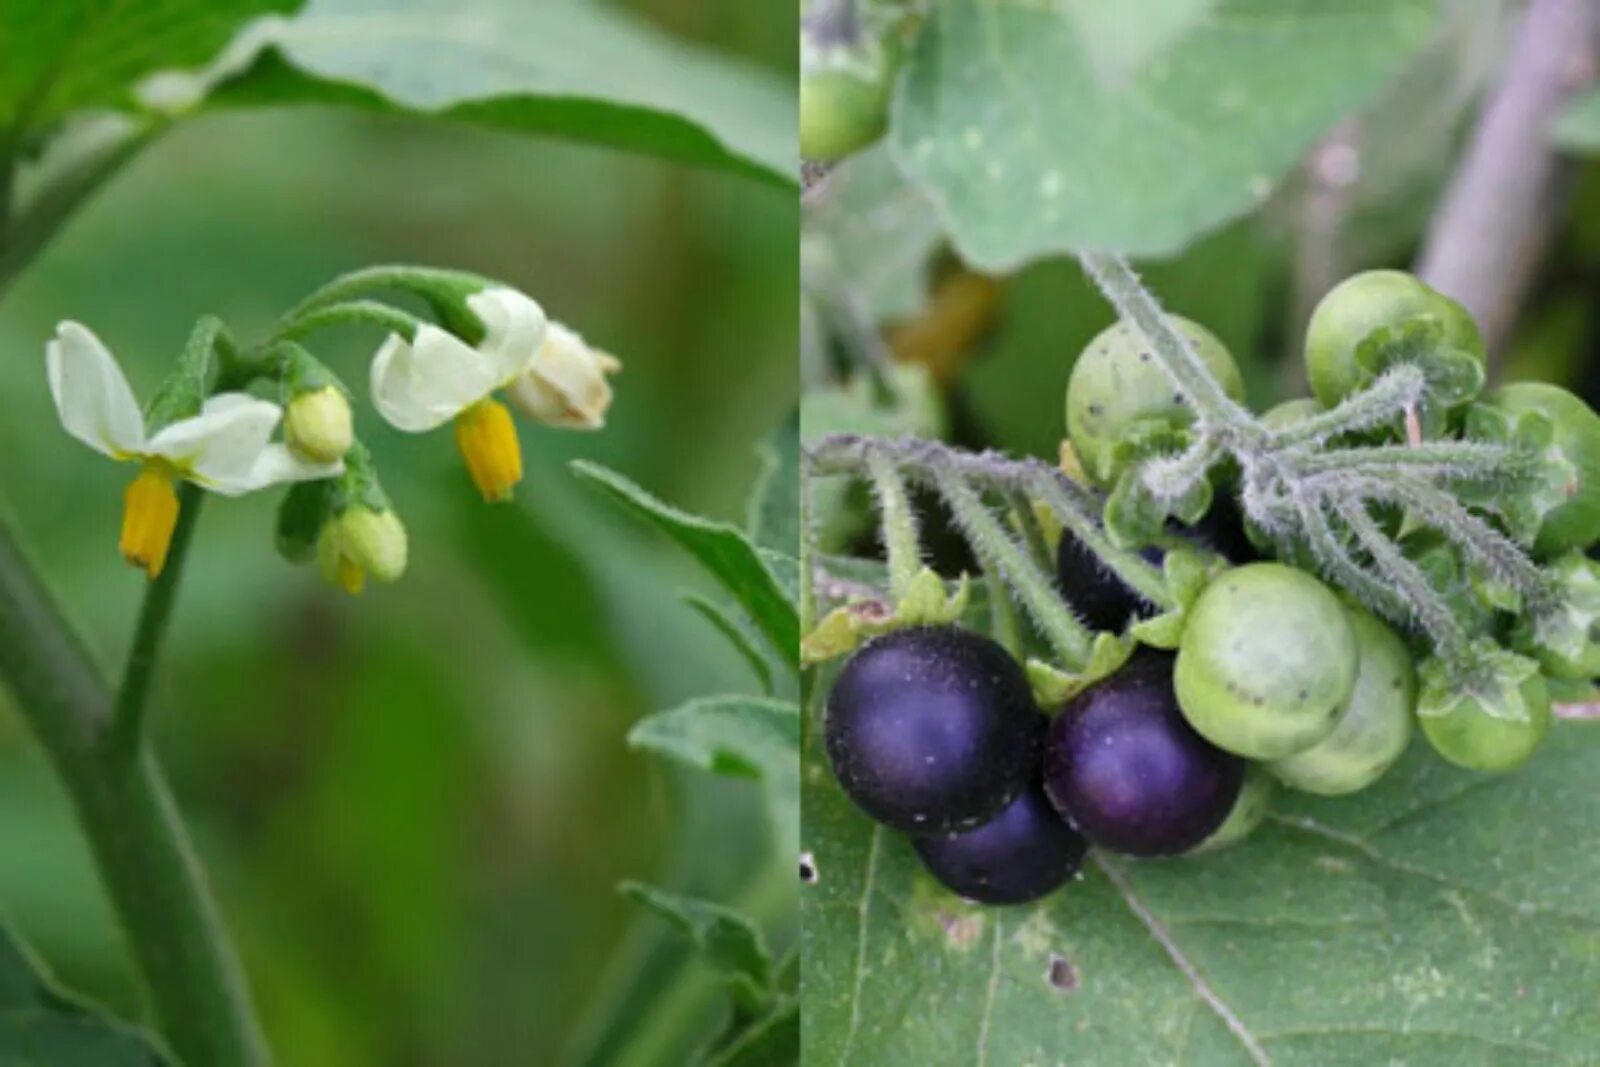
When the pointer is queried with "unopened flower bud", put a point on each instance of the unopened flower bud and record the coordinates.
(317, 425)
(359, 543)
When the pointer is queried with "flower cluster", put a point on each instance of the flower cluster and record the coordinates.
(205, 427)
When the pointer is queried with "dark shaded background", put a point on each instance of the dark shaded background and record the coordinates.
(415, 804)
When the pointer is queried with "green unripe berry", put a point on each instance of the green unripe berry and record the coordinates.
(1117, 381)
(1374, 725)
(844, 96)
(1365, 302)
(1574, 523)
(1268, 658)
(1493, 727)
(1248, 810)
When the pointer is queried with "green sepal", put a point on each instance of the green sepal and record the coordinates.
(301, 372)
(1539, 482)
(1565, 637)
(1187, 571)
(358, 486)
(1499, 683)
(926, 602)
(305, 508)
(1141, 440)
(1453, 375)
(1053, 686)
(1133, 517)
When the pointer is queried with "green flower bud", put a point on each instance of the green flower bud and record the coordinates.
(317, 425)
(362, 542)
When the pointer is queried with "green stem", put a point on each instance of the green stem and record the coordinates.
(1383, 400)
(427, 282)
(1132, 569)
(1215, 408)
(899, 523)
(1457, 460)
(1430, 611)
(1069, 639)
(151, 874)
(352, 312)
(133, 695)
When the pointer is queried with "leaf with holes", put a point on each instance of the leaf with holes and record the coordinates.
(560, 68)
(1438, 918)
(1029, 147)
(41, 1025)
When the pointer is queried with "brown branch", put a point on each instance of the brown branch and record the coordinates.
(1489, 234)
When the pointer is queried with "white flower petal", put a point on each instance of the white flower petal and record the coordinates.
(276, 465)
(515, 328)
(220, 446)
(566, 385)
(92, 396)
(426, 383)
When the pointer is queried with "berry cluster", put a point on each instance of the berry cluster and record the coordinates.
(1289, 659)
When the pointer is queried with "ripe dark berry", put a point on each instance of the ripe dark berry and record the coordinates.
(932, 729)
(1130, 773)
(1103, 602)
(1021, 854)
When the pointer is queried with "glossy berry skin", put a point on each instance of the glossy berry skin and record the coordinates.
(932, 729)
(1129, 773)
(1021, 854)
(1268, 658)
(1362, 303)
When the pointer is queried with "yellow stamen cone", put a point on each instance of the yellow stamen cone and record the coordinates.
(149, 515)
(352, 579)
(488, 441)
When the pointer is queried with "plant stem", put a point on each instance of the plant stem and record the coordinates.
(128, 714)
(1069, 639)
(155, 883)
(1488, 236)
(1397, 388)
(899, 524)
(1215, 408)
(364, 312)
(1431, 613)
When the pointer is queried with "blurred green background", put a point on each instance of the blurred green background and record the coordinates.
(415, 805)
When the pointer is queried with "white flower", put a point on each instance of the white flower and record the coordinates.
(566, 383)
(423, 383)
(227, 448)
(435, 377)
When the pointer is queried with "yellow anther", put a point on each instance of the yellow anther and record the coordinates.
(149, 515)
(488, 441)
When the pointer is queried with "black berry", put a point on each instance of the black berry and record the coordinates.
(1130, 773)
(1021, 854)
(932, 729)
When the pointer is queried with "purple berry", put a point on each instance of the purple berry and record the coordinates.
(932, 729)
(1129, 772)
(1021, 854)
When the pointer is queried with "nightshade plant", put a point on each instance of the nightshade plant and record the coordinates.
(86, 88)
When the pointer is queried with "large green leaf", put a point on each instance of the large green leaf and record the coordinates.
(1438, 918)
(1029, 148)
(724, 550)
(563, 68)
(41, 1025)
(61, 55)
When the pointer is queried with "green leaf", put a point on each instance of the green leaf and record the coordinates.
(770, 1041)
(559, 68)
(739, 736)
(729, 941)
(869, 236)
(1438, 918)
(1028, 151)
(730, 629)
(66, 55)
(1578, 128)
(724, 550)
(39, 1024)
